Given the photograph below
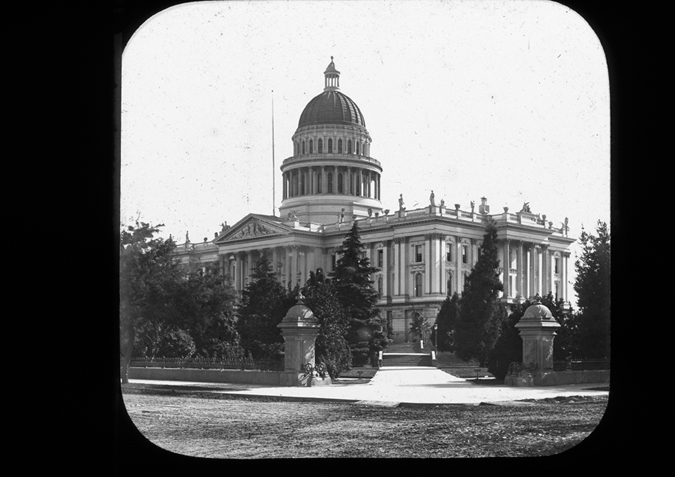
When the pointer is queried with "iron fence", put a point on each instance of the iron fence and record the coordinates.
(207, 363)
(580, 365)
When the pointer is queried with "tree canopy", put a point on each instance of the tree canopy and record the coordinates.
(331, 346)
(167, 309)
(592, 286)
(264, 304)
(478, 326)
(352, 280)
(447, 319)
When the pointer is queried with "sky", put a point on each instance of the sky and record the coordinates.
(507, 100)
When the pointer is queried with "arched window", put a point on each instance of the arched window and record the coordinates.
(379, 285)
(330, 182)
(448, 252)
(357, 148)
(303, 147)
(339, 146)
(311, 146)
(339, 183)
(349, 146)
(330, 146)
(320, 146)
(418, 284)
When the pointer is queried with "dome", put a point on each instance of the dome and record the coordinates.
(331, 107)
(537, 312)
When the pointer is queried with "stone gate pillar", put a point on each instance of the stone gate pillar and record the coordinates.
(299, 329)
(537, 330)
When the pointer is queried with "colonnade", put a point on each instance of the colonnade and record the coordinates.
(331, 145)
(321, 180)
(526, 268)
(290, 263)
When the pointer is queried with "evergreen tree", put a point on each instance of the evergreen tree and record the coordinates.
(331, 346)
(446, 320)
(479, 323)
(592, 286)
(352, 279)
(264, 304)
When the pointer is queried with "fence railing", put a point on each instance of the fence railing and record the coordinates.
(207, 363)
(580, 365)
(569, 365)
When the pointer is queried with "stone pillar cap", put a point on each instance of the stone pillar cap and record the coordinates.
(299, 315)
(538, 315)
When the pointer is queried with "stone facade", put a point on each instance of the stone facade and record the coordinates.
(423, 254)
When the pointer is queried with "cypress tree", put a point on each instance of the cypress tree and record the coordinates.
(479, 325)
(352, 279)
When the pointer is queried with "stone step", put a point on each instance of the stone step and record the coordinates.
(406, 359)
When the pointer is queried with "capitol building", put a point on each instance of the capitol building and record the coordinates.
(423, 255)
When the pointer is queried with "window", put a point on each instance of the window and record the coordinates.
(330, 146)
(418, 284)
(318, 184)
(380, 258)
(418, 250)
(379, 285)
(330, 182)
(555, 265)
(349, 146)
(320, 146)
(339, 181)
(311, 146)
(449, 289)
(448, 252)
(339, 146)
(333, 261)
(357, 148)
(303, 147)
(465, 254)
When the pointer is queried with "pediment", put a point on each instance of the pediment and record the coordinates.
(252, 227)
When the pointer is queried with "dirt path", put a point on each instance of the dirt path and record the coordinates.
(205, 426)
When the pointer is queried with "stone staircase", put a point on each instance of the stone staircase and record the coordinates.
(403, 354)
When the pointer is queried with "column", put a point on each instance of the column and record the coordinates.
(428, 264)
(563, 275)
(458, 264)
(397, 266)
(527, 286)
(385, 269)
(506, 266)
(443, 285)
(237, 272)
(519, 269)
(545, 268)
(538, 263)
(403, 273)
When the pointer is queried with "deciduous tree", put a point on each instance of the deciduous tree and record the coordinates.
(331, 346)
(147, 271)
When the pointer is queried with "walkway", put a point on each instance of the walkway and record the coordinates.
(404, 385)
